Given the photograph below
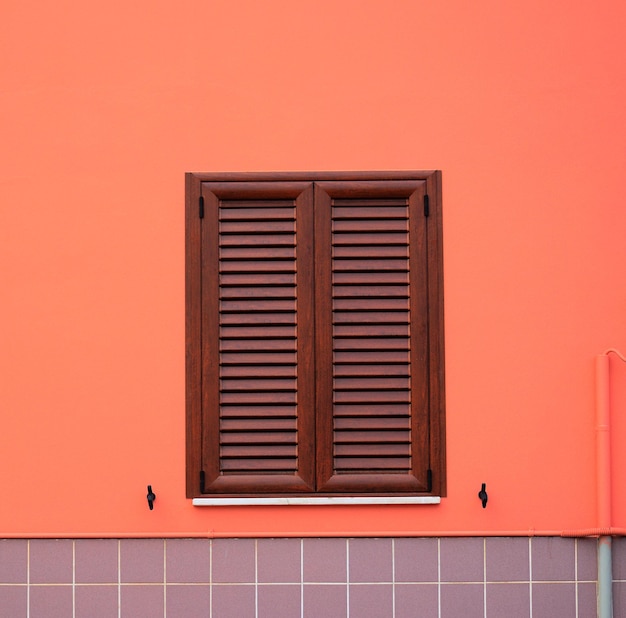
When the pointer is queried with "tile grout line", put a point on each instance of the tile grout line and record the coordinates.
(576, 574)
(393, 578)
(74, 578)
(256, 578)
(485, 577)
(439, 577)
(164, 578)
(293, 584)
(28, 578)
(119, 579)
(301, 578)
(348, 578)
(210, 578)
(530, 574)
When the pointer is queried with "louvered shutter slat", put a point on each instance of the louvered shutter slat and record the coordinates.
(375, 290)
(256, 253)
(382, 358)
(257, 345)
(368, 252)
(378, 369)
(266, 359)
(266, 278)
(243, 414)
(344, 412)
(258, 424)
(396, 417)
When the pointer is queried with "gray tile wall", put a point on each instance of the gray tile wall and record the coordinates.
(320, 578)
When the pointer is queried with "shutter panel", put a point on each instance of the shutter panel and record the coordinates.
(314, 334)
(257, 334)
(372, 337)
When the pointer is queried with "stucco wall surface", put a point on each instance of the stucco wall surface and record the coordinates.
(104, 106)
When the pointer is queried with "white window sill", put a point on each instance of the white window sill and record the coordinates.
(316, 501)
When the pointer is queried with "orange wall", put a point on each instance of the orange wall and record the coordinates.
(104, 106)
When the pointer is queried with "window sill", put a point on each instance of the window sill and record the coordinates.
(316, 501)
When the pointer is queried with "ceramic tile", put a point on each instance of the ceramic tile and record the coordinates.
(279, 601)
(466, 600)
(96, 601)
(370, 560)
(51, 601)
(188, 560)
(96, 561)
(371, 600)
(233, 560)
(416, 560)
(13, 601)
(234, 602)
(587, 558)
(507, 559)
(141, 560)
(142, 601)
(619, 599)
(510, 600)
(618, 546)
(13, 561)
(462, 559)
(323, 600)
(554, 599)
(416, 601)
(51, 561)
(188, 601)
(553, 559)
(324, 560)
(278, 560)
(588, 601)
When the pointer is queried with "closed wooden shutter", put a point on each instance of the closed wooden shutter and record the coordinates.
(372, 337)
(257, 291)
(314, 334)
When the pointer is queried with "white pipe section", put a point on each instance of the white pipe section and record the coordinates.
(605, 577)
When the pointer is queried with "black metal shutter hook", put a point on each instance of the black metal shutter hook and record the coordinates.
(482, 494)
(151, 497)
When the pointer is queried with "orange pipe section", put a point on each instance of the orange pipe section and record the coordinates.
(603, 442)
(595, 532)
(216, 534)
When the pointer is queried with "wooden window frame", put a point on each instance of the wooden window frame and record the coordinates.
(315, 476)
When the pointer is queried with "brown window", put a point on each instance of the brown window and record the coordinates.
(314, 334)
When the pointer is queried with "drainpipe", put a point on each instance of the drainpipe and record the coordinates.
(603, 454)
